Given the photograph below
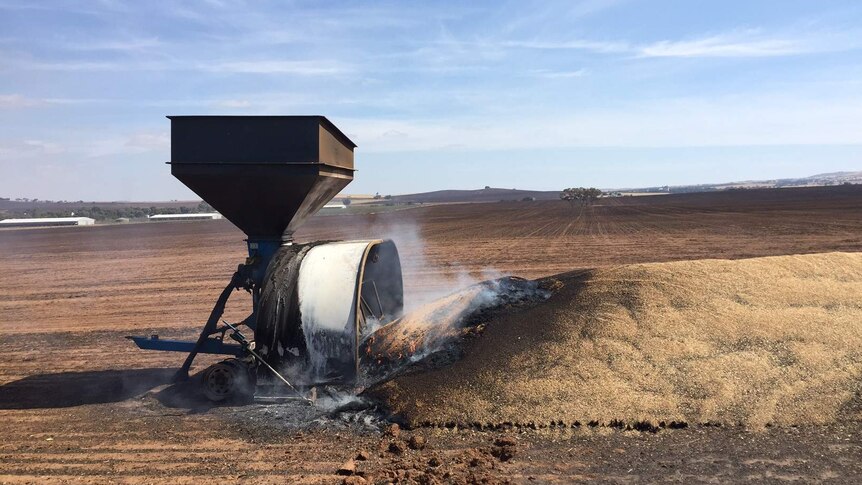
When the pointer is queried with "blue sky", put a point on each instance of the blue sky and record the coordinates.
(538, 95)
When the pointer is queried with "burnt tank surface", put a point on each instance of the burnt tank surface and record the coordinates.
(266, 174)
(319, 300)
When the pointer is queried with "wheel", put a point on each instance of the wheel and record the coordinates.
(227, 379)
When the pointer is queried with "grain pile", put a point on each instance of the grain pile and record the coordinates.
(755, 342)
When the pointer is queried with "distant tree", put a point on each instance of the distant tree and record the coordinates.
(388, 197)
(204, 207)
(109, 212)
(346, 201)
(377, 195)
(580, 195)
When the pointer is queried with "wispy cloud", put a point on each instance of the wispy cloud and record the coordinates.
(301, 68)
(550, 74)
(232, 103)
(85, 65)
(744, 43)
(546, 13)
(603, 47)
(147, 141)
(671, 122)
(17, 101)
(12, 101)
(298, 68)
(727, 45)
(119, 45)
(28, 148)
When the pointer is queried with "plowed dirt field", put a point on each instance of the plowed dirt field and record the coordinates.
(75, 395)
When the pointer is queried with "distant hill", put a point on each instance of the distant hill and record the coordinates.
(837, 177)
(45, 208)
(480, 195)
(823, 179)
(490, 194)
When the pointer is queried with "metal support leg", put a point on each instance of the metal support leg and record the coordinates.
(210, 328)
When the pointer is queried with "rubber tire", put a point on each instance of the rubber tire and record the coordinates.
(227, 380)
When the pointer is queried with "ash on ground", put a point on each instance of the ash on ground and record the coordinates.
(429, 337)
(434, 335)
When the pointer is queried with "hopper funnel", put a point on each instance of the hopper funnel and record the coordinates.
(266, 174)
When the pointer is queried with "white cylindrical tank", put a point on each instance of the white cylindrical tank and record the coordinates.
(318, 300)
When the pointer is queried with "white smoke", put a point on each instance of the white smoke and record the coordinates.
(437, 327)
(334, 401)
(426, 280)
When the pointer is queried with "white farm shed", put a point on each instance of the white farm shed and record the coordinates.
(204, 216)
(48, 222)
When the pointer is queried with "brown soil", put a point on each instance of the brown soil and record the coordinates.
(69, 295)
(165, 275)
(753, 342)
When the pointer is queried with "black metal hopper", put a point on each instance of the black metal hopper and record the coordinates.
(266, 174)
